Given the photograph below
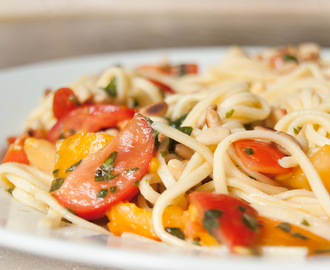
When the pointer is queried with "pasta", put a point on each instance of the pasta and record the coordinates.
(254, 129)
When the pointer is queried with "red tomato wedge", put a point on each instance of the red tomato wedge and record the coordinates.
(165, 88)
(89, 118)
(16, 152)
(64, 102)
(260, 157)
(110, 175)
(178, 70)
(229, 220)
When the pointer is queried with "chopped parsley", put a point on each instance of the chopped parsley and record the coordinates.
(250, 222)
(162, 153)
(252, 177)
(287, 57)
(305, 222)
(131, 170)
(113, 189)
(284, 226)
(172, 143)
(71, 211)
(111, 88)
(297, 130)
(102, 193)
(104, 172)
(210, 221)
(175, 232)
(299, 235)
(321, 251)
(230, 113)
(248, 151)
(74, 166)
(10, 190)
(56, 184)
(136, 183)
(241, 208)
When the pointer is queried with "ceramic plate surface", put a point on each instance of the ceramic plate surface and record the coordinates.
(20, 89)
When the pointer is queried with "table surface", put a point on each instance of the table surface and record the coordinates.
(37, 32)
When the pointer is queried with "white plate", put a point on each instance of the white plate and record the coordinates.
(20, 89)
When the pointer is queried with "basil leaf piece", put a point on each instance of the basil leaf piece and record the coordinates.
(175, 232)
(102, 193)
(321, 251)
(71, 211)
(55, 172)
(250, 222)
(131, 170)
(10, 190)
(241, 208)
(178, 122)
(172, 143)
(305, 222)
(74, 100)
(230, 113)
(210, 221)
(74, 166)
(252, 177)
(104, 172)
(111, 88)
(248, 151)
(284, 226)
(297, 130)
(136, 183)
(196, 241)
(113, 189)
(56, 184)
(287, 57)
(299, 235)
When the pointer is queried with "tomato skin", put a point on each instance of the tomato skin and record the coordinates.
(64, 102)
(231, 230)
(264, 157)
(15, 151)
(89, 118)
(165, 88)
(135, 147)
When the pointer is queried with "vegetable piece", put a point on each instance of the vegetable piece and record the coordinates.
(64, 102)
(90, 118)
(321, 163)
(274, 233)
(16, 152)
(40, 153)
(127, 217)
(229, 220)
(165, 88)
(134, 146)
(260, 157)
(71, 151)
(178, 70)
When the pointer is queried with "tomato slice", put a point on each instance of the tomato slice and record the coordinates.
(228, 219)
(165, 88)
(89, 118)
(89, 192)
(64, 102)
(260, 157)
(16, 152)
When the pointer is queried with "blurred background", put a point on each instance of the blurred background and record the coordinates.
(42, 30)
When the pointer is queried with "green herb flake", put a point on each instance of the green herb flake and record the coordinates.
(250, 222)
(102, 193)
(297, 130)
(237, 166)
(284, 226)
(86, 110)
(56, 184)
(178, 122)
(230, 113)
(248, 151)
(136, 183)
(241, 208)
(196, 241)
(252, 177)
(321, 251)
(131, 170)
(111, 88)
(172, 143)
(299, 235)
(71, 211)
(113, 189)
(210, 221)
(162, 153)
(287, 57)
(74, 100)
(10, 190)
(104, 172)
(74, 166)
(305, 222)
(55, 172)
(182, 70)
(175, 232)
